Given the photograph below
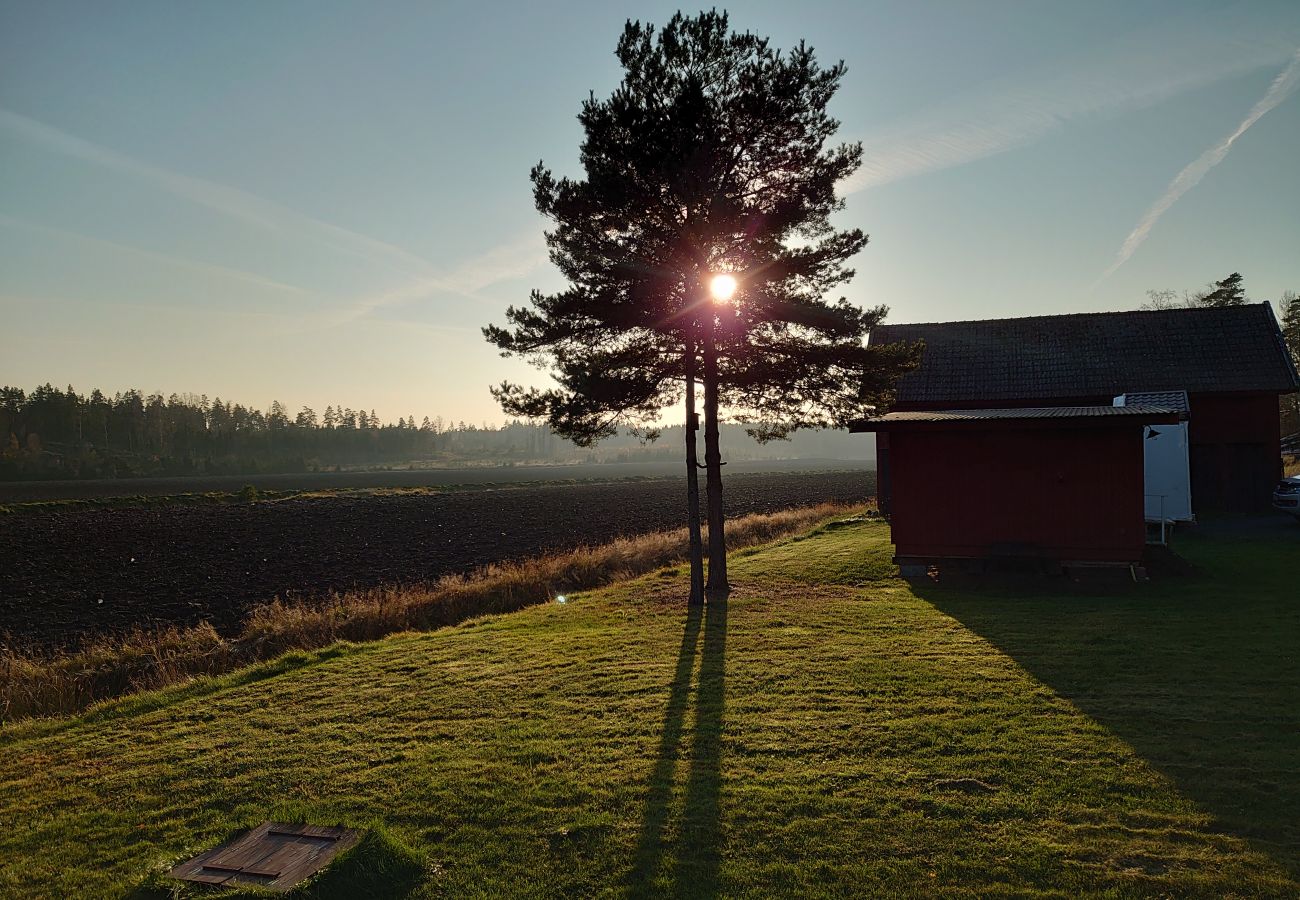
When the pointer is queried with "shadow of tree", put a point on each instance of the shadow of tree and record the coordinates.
(1199, 680)
(696, 851)
(700, 852)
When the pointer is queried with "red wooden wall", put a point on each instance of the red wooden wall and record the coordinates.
(971, 491)
(1235, 452)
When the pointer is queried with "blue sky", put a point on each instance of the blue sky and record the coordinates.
(322, 202)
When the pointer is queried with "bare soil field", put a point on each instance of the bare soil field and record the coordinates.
(396, 477)
(70, 573)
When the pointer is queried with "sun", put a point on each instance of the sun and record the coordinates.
(722, 287)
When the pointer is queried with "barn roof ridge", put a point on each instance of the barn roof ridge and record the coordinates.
(1096, 354)
(1080, 315)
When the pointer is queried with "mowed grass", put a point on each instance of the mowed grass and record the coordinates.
(830, 731)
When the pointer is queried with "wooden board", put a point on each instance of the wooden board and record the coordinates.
(275, 855)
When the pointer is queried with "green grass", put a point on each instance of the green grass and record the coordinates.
(831, 731)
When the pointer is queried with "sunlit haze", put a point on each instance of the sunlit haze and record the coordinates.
(322, 202)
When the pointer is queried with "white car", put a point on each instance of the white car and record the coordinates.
(1286, 496)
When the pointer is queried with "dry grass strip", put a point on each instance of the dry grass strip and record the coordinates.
(37, 682)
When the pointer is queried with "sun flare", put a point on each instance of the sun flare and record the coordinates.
(722, 287)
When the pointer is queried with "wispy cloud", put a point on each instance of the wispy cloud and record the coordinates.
(1283, 86)
(513, 260)
(423, 279)
(1137, 71)
(237, 204)
(153, 255)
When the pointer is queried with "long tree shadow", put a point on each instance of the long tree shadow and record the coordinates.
(697, 851)
(1201, 680)
(700, 852)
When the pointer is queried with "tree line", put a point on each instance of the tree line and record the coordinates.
(53, 433)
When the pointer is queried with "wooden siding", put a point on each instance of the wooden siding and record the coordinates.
(1063, 494)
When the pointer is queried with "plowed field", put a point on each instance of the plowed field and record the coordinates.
(68, 573)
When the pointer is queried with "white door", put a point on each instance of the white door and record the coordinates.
(1168, 475)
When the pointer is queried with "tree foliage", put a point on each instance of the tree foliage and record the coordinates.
(712, 155)
(1290, 303)
(1227, 292)
(1290, 404)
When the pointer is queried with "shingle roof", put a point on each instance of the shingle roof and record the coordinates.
(1215, 349)
(1074, 414)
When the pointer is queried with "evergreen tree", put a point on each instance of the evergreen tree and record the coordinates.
(100, 411)
(1228, 292)
(1291, 323)
(711, 157)
(278, 416)
(1290, 404)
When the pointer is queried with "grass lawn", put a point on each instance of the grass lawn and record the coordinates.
(829, 731)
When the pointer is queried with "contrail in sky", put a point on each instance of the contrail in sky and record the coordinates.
(1135, 71)
(1282, 87)
(513, 260)
(506, 261)
(153, 255)
(223, 199)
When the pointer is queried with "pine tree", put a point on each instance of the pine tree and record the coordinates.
(278, 415)
(1291, 323)
(710, 158)
(1290, 303)
(1228, 292)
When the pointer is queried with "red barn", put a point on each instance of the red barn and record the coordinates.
(1061, 484)
(1231, 361)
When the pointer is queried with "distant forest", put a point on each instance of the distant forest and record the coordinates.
(53, 433)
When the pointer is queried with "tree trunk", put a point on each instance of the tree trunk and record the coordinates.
(693, 481)
(718, 586)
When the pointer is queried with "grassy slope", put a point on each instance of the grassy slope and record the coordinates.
(830, 731)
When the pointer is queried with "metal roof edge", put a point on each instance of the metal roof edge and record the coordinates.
(1136, 414)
